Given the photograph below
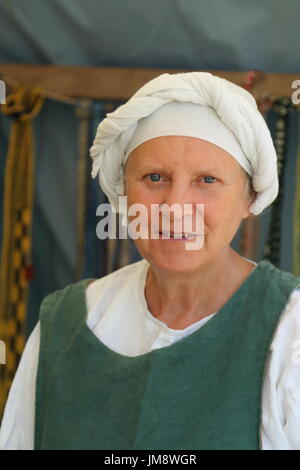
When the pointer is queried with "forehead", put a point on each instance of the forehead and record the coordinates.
(171, 151)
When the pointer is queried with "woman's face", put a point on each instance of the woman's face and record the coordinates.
(187, 170)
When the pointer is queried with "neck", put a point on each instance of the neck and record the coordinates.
(180, 299)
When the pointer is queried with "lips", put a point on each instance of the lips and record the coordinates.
(187, 236)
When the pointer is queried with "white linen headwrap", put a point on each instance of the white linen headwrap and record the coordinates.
(235, 107)
(187, 119)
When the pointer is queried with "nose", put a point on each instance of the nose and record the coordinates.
(177, 193)
(180, 194)
(185, 210)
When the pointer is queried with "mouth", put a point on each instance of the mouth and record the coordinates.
(177, 236)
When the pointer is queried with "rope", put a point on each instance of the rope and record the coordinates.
(22, 105)
(249, 227)
(296, 218)
(272, 248)
(83, 113)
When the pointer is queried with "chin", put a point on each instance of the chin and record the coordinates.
(176, 265)
(177, 262)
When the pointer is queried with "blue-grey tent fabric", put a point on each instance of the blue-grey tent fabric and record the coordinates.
(229, 35)
(200, 35)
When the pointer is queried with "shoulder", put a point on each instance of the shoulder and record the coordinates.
(289, 323)
(273, 271)
(285, 346)
(65, 298)
(119, 275)
(276, 284)
(112, 284)
(73, 296)
(52, 299)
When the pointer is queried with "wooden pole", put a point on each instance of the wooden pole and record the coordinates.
(68, 83)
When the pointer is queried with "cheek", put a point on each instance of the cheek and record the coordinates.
(136, 193)
(223, 211)
(133, 196)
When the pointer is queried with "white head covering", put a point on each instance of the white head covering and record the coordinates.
(187, 119)
(169, 105)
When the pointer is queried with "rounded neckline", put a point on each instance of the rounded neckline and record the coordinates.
(146, 312)
(149, 316)
(98, 344)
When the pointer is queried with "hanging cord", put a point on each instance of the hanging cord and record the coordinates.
(272, 248)
(296, 214)
(250, 226)
(83, 113)
(22, 105)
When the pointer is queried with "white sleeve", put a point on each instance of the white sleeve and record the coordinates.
(17, 427)
(281, 394)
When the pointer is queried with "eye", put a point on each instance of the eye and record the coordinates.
(154, 176)
(211, 177)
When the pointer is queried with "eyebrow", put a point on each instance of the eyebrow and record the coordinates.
(157, 167)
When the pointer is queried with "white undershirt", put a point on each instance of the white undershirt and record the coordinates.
(119, 317)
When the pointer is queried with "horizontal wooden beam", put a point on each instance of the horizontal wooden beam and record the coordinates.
(119, 83)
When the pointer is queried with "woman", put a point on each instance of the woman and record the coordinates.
(185, 349)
